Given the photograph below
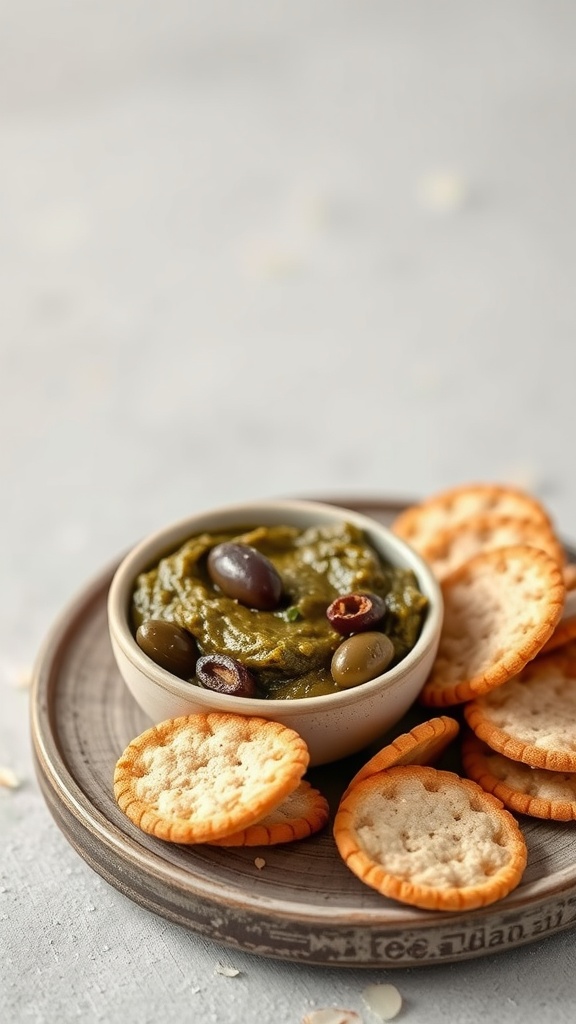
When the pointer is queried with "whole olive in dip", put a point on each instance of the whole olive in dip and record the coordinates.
(245, 574)
(360, 658)
(170, 646)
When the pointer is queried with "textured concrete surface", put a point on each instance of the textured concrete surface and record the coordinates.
(310, 248)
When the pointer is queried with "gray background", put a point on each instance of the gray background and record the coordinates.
(248, 250)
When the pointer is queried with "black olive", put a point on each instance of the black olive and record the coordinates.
(225, 675)
(361, 657)
(354, 613)
(170, 646)
(246, 575)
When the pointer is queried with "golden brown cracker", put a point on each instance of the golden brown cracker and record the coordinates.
(500, 608)
(303, 812)
(568, 650)
(453, 546)
(532, 718)
(535, 792)
(419, 523)
(199, 777)
(430, 839)
(569, 572)
(566, 629)
(565, 632)
(422, 745)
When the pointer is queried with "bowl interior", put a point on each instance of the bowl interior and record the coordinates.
(301, 514)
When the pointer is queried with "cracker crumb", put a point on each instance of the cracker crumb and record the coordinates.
(272, 258)
(384, 1001)
(332, 1015)
(16, 675)
(260, 863)
(227, 972)
(9, 779)
(443, 192)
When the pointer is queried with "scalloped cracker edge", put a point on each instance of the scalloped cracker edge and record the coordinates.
(430, 839)
(535, 792)
(423, 745)
(419, 523)
(199, 777)
(303, 812)
(454, 545)
(533, 717)
(500, 608)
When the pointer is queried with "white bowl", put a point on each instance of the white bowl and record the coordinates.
(334, 725)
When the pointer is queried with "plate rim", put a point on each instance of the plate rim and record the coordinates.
(64, 797)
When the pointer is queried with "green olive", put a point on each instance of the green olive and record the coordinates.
(170, 646)
(361, 657)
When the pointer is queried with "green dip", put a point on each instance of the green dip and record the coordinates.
(288, 650)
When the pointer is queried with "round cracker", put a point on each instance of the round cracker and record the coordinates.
(455, 545)
(532, 718)
(567, 651)
(532, 791)
(570, 576)
(422, 745)
(430, 839)
(419, 523)
(566, 629)
(303, 812)
(565, 632)
(196, 778)
(500, 608)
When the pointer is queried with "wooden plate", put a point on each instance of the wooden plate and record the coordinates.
(303, 904)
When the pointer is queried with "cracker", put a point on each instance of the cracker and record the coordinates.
(303, 812)
(569, 573)
(419, 523)
(430, 839)
(500, 608)
(565, 632)
(454, 545)
(566, 629)
(196, 778)
(532, 791)
(422, 745)
(568, 650)
(532, 718)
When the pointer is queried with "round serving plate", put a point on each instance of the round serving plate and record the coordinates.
(302, 903)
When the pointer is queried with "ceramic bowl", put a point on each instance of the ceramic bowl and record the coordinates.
(333, 725)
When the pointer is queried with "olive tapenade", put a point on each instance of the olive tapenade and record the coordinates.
(260, 596)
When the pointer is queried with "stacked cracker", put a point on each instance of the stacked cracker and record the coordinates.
(505, 652)
(506, 589)
(223, 779)
(424, 836)
(504, 581)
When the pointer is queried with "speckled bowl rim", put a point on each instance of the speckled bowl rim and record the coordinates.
(147, 552)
